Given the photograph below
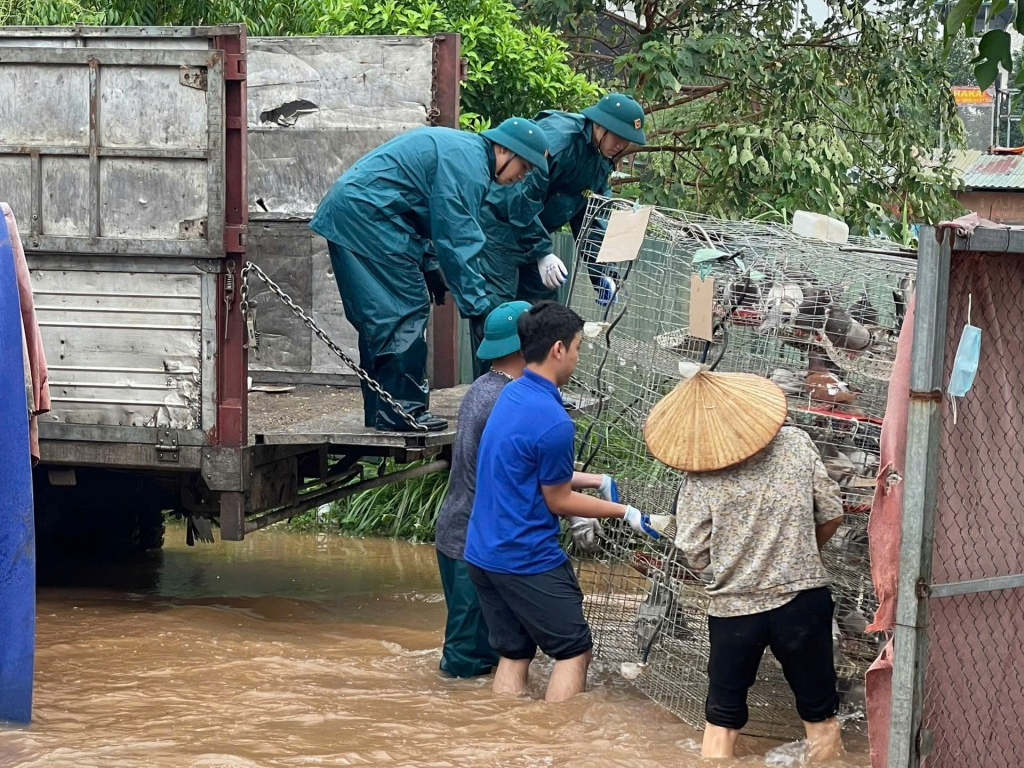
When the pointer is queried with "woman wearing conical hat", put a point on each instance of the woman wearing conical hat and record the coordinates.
(754, 509)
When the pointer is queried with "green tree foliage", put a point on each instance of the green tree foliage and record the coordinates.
(756, 109)
(993, 46)
(263, 17)
(960, 62)
(514, 68)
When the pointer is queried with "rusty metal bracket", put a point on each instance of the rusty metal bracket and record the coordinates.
(192, 229)
(444, 111)
(235, 66)
(167, 445)
(235, 237)
(922, 589)
(194, 77)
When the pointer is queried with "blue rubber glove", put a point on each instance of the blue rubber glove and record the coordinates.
(608, 489)
(606, 291)
(640, 522)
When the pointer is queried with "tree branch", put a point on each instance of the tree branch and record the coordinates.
(694, 93)
(682, 131)
(823, 42)
(622, 20)
(652, 148)
(650, 12)
(592, 55)
(636, 180)
(617, 44)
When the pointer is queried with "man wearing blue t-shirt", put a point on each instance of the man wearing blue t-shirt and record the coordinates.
(525, 483)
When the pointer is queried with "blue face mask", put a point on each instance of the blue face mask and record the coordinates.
(965, 364)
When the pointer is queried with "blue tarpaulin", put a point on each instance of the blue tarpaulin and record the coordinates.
(17, 534)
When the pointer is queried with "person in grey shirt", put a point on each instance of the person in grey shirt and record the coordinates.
(754, 508)
(467, 651)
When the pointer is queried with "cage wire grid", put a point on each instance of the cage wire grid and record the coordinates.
(974, 670)
(821, 320)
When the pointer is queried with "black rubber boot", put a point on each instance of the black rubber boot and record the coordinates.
(430, 421)
(404, 377)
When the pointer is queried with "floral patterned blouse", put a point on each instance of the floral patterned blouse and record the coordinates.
(753, 524)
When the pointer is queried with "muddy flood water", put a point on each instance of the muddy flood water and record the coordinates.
(294, 650)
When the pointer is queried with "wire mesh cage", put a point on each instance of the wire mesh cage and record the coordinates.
(974, 678)
(821, 320)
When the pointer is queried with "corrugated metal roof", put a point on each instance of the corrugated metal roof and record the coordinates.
(960, 159)
(995, 172)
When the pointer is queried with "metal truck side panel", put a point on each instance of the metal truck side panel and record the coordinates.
(316, 104)
(122, 149)
(115, 158)
(125, 349)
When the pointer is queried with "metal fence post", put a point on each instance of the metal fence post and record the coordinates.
(924, 424)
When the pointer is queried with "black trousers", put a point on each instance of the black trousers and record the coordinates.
(800, 636)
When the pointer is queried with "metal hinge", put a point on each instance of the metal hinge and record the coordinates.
(235, 238)
(235, 66)
(193, 77)
(167, 445)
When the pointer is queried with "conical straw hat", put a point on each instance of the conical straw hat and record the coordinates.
(714, 420)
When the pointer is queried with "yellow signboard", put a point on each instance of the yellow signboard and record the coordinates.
(968, 95)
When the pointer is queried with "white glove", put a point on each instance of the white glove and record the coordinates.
(586, 532)
(608, 489)
(640, 522)
(552, 271)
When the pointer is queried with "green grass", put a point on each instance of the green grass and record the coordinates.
(404, 510)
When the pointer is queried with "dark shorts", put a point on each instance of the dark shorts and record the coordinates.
(800, 636)
(543, 610)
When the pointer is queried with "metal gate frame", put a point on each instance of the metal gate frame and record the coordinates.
(909, 743)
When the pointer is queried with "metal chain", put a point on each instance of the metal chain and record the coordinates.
(249, 314)
(433, 112)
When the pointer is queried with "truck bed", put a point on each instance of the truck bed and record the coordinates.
(317, 414)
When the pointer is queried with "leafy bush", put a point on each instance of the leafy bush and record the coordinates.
(262, 17)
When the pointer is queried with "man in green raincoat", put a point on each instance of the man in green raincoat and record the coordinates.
(421, 187)
(518, 262)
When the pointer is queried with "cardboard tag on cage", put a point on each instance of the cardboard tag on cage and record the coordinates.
(702, 307)
(625, 235)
